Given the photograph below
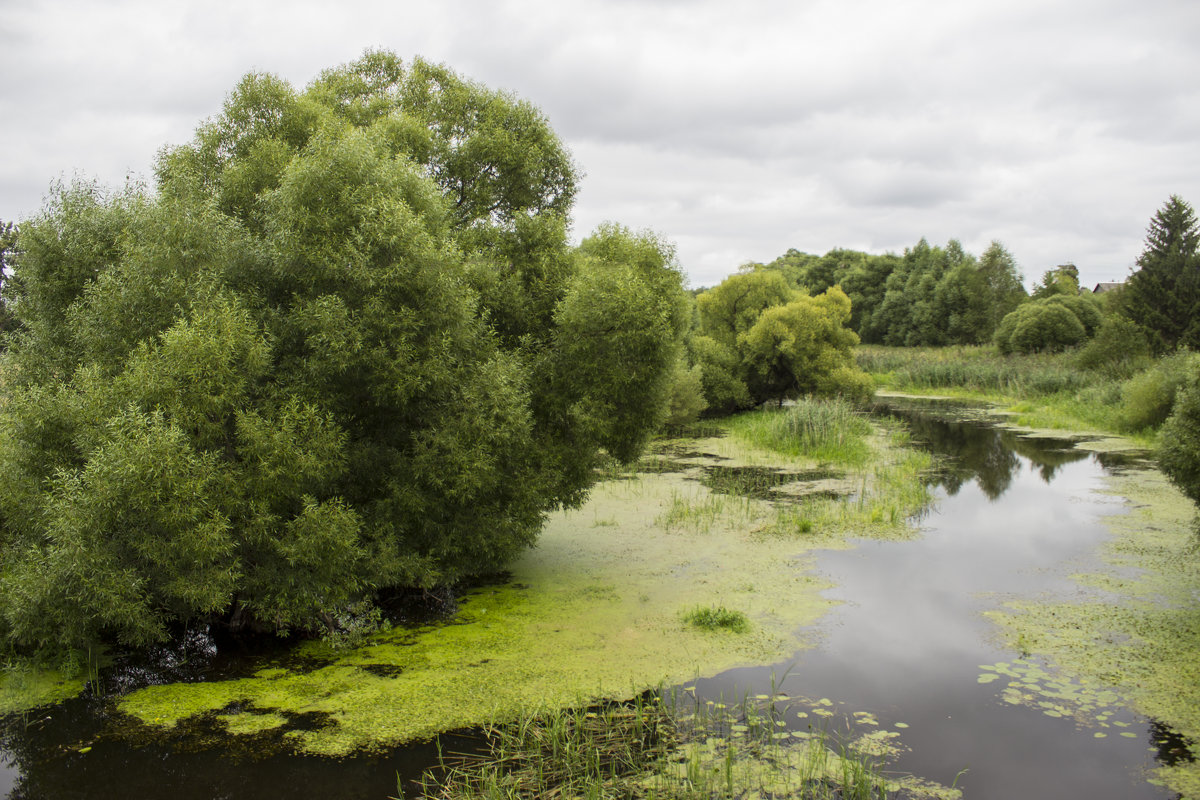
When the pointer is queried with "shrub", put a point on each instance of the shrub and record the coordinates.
(1179, 453)
(1118, 350)
(1046, 328)
(1086, 309)
(1147, 399)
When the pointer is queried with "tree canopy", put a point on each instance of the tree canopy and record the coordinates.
(759, 339)
(345, 346)
(929, 296)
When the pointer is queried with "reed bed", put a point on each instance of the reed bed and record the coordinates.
(976, 369)
(661, 746)
(827, 430)
(1042, 390)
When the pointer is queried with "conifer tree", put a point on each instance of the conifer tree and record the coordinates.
(1163, 295)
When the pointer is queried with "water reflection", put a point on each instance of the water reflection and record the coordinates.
(973, 451)
(907, 643)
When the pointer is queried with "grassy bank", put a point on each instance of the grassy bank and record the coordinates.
(1046, 391)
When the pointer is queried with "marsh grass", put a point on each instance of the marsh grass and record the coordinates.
(977, 369)
(1041, 390)
(699, 513)
(660, 746)
(890, 491)
(825, 430)
(718, 618)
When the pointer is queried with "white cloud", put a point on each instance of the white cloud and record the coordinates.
(737, 130)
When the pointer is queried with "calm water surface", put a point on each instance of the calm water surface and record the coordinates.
(906, 645)
(1012, 516)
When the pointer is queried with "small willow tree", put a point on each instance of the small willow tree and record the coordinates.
(345, 346)
(760, 340)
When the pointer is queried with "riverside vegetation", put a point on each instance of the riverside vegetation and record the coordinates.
(1131, 626)
(591, 614)
(344, 350)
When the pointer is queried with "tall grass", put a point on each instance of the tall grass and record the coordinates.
(717, 618)
(827, 430)
(978, 369)
(659, 747)
(890, 492)
(1043, 390)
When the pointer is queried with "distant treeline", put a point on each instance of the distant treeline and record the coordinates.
(930, 295)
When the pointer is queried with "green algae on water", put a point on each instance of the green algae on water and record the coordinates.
(589, 613)
(23, 688)
(1131, 638)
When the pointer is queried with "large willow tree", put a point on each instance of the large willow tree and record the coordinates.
(344, 346)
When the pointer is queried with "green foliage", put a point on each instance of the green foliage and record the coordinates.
(760, 340)
(1179, 448)
(345, 346)
(8, 250)
(1163, 295)
(1060, 281)
(685, 398)
(1118, 350)
(717, 618)
(1147, 398)
(931, 295)
(1043, 326)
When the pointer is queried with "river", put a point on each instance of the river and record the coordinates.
(908, 649)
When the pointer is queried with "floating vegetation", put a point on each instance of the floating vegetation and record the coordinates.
(764, 483)
(589, 612)
(1030, 683)
(1131, 633)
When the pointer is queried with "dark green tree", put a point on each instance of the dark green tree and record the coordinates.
(345, 346)
(1179, 451)
(8, 250)
(1163, 294)
(1003, 287)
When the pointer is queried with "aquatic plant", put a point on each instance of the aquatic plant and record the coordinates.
(666, 746)
(717, 618)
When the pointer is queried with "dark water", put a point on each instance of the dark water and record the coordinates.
(908, 641)
(906, 646)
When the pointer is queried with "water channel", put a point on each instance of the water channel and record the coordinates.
(906, 647)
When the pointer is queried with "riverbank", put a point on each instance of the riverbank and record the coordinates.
(700, 563)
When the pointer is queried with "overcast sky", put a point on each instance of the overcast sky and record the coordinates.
(735, 129)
